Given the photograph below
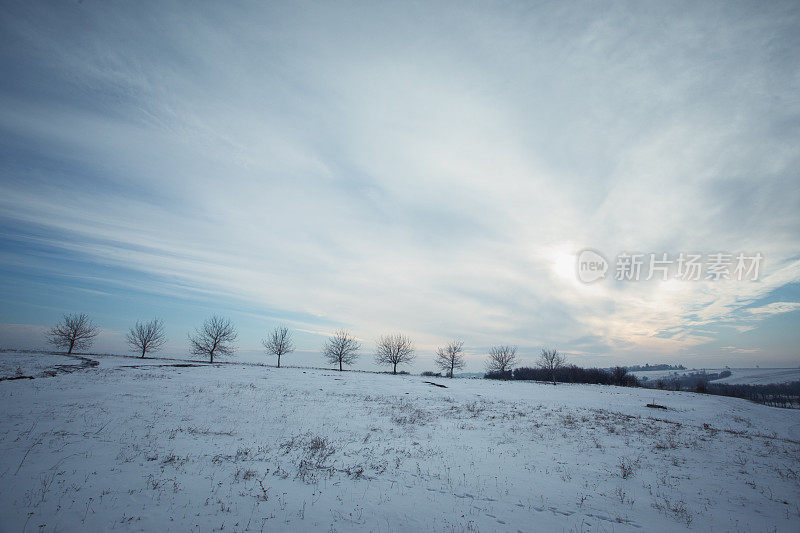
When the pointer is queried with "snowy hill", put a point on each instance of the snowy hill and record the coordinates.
(739, 376)
(143, 445)
(761, 376)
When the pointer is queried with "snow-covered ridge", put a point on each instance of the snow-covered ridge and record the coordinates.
(137, 445)
(739, 376)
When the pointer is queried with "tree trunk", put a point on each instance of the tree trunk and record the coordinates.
(143, 351)
(279, 360)
(211, 354)
(394, 371)
(340, 365)
(71, 344)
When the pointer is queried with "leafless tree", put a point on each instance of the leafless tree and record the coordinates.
(394, 350)
(341, 348)
(551, 361)
(147, 337)
(502, 358)
(216, 337)
(279, 342)
(74, 331)
(451, 357)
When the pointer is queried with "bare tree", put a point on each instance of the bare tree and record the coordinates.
(341, 348)
(551, 361)
(502, 358)
(279, 342)
(217, 336)
(147, 337)
(74, 331)
(394, 350)
(451, 357)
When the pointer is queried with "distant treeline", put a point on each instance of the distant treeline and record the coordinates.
(570, 374)
(645, 368)
(776, 394)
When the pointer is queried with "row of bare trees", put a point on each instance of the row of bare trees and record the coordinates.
(397, 349)
(217, 337)
(77, 332)
(549, 363)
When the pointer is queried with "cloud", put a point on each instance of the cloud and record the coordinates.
(734, 349)
(418, 168)
(774, 308)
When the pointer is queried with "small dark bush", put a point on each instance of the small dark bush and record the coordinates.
(429, 374)
(496, 374)
(621, 377)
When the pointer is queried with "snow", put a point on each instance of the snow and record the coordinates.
(739, 376)
(136, 445)
(761, 376)
(30, 364)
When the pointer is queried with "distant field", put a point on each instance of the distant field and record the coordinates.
(739, 376)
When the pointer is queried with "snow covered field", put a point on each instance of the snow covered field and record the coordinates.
(134, 445)
(761, 376)
(739, 376)
(31, 364)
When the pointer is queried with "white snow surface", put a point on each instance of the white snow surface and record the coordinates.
(133, 445)
(31, 364)
(761, 376)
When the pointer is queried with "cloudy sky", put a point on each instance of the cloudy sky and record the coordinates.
(431, 168)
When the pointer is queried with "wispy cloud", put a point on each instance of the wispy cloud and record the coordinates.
(420, 168)
(734, 349)
(774, 308)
